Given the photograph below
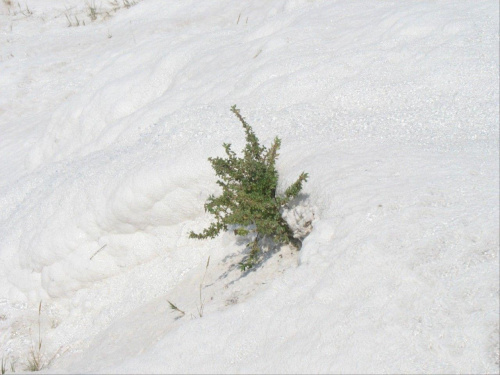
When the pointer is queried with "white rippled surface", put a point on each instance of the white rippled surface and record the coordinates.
(105, 130)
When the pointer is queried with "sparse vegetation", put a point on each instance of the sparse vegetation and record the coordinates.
(76, 16)
(19, 9)
(3, 368)
(199, 307)
(13, 365)
(127, 4)
(35, 360)
(73, 22)
(94, 12)
(249, 202)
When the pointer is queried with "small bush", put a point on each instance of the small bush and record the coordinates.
(249, 202)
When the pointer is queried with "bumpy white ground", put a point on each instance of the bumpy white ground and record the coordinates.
(105, 129)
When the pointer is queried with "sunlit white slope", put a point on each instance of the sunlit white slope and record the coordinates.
(392, 109)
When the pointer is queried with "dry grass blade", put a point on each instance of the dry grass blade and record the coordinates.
(202, 302)
(175, 308)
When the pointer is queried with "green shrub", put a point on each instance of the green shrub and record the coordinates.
(249, 202)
